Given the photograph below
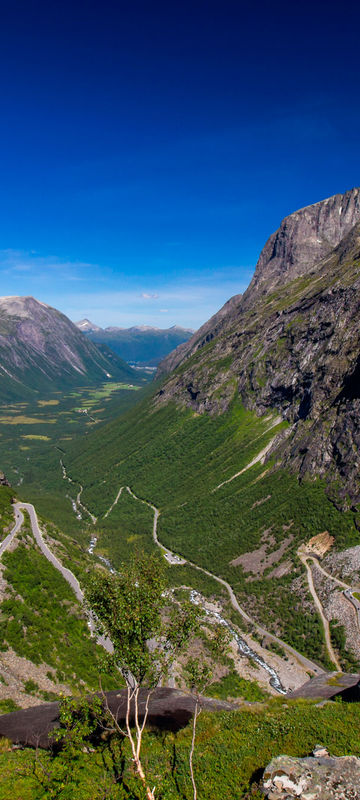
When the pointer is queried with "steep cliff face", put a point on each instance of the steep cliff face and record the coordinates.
(303, 239)
(296, 348)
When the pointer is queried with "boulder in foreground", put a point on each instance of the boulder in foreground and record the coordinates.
(169, 709)
(318, 777)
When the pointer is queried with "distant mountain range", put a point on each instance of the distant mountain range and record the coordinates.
(141, 344)
(42, 350)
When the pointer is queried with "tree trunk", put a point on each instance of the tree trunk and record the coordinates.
(196, 714)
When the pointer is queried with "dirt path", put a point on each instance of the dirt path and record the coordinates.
(331, 653)
(347, 589)
(327, 574)
(115, 502)
(19, 519)
(260, 457)
(172, 558)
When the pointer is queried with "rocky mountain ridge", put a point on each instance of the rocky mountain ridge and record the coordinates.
(303, 239)
(291, 343)
(41, 349)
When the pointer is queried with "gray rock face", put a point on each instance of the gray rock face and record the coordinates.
(303, 239)
(3, 479)
(169, 709)
(319, 777)
(293, 345)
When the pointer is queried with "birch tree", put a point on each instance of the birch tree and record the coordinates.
(130, 609)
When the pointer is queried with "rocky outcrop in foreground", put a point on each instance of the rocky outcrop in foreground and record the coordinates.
(318, 777)
(169, 709)
(3, 479)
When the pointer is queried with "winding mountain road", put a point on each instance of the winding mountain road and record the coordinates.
(348, 590)
(172, 558)
(19, 519)
(66, 573)
(331, 652)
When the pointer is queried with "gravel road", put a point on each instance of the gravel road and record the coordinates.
(19, 519)
(66, 573)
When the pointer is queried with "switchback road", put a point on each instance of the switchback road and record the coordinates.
(66, 573)
(19, 519)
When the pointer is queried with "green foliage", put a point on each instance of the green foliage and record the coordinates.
(232, 749)
(175, 459)
(8, 705)
(127, 528)
(276, 648)
(6, 510)
(232, 685)
(128, 608)
(79, 719)
(41, 619)
(31, 687)
(197, 674)
(348, 660)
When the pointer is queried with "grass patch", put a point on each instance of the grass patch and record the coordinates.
(20, 419)
(7, 706)
(47, 625)
(40, 437)
(232, 685)
(231, 752)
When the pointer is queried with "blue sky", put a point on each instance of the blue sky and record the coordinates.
(148, 149)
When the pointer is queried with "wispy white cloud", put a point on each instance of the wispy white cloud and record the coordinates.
(14, 261)
(81, 289)
(148, 296)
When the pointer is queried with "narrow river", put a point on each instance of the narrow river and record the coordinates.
(243, 647)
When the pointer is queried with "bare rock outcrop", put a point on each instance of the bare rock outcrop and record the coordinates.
(303, 239)
(3, 479)
(318, 777)
(169, 709)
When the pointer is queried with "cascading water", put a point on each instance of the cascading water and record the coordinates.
(243, 647)
(105, 561)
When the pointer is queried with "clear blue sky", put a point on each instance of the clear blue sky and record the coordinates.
(148, 149)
